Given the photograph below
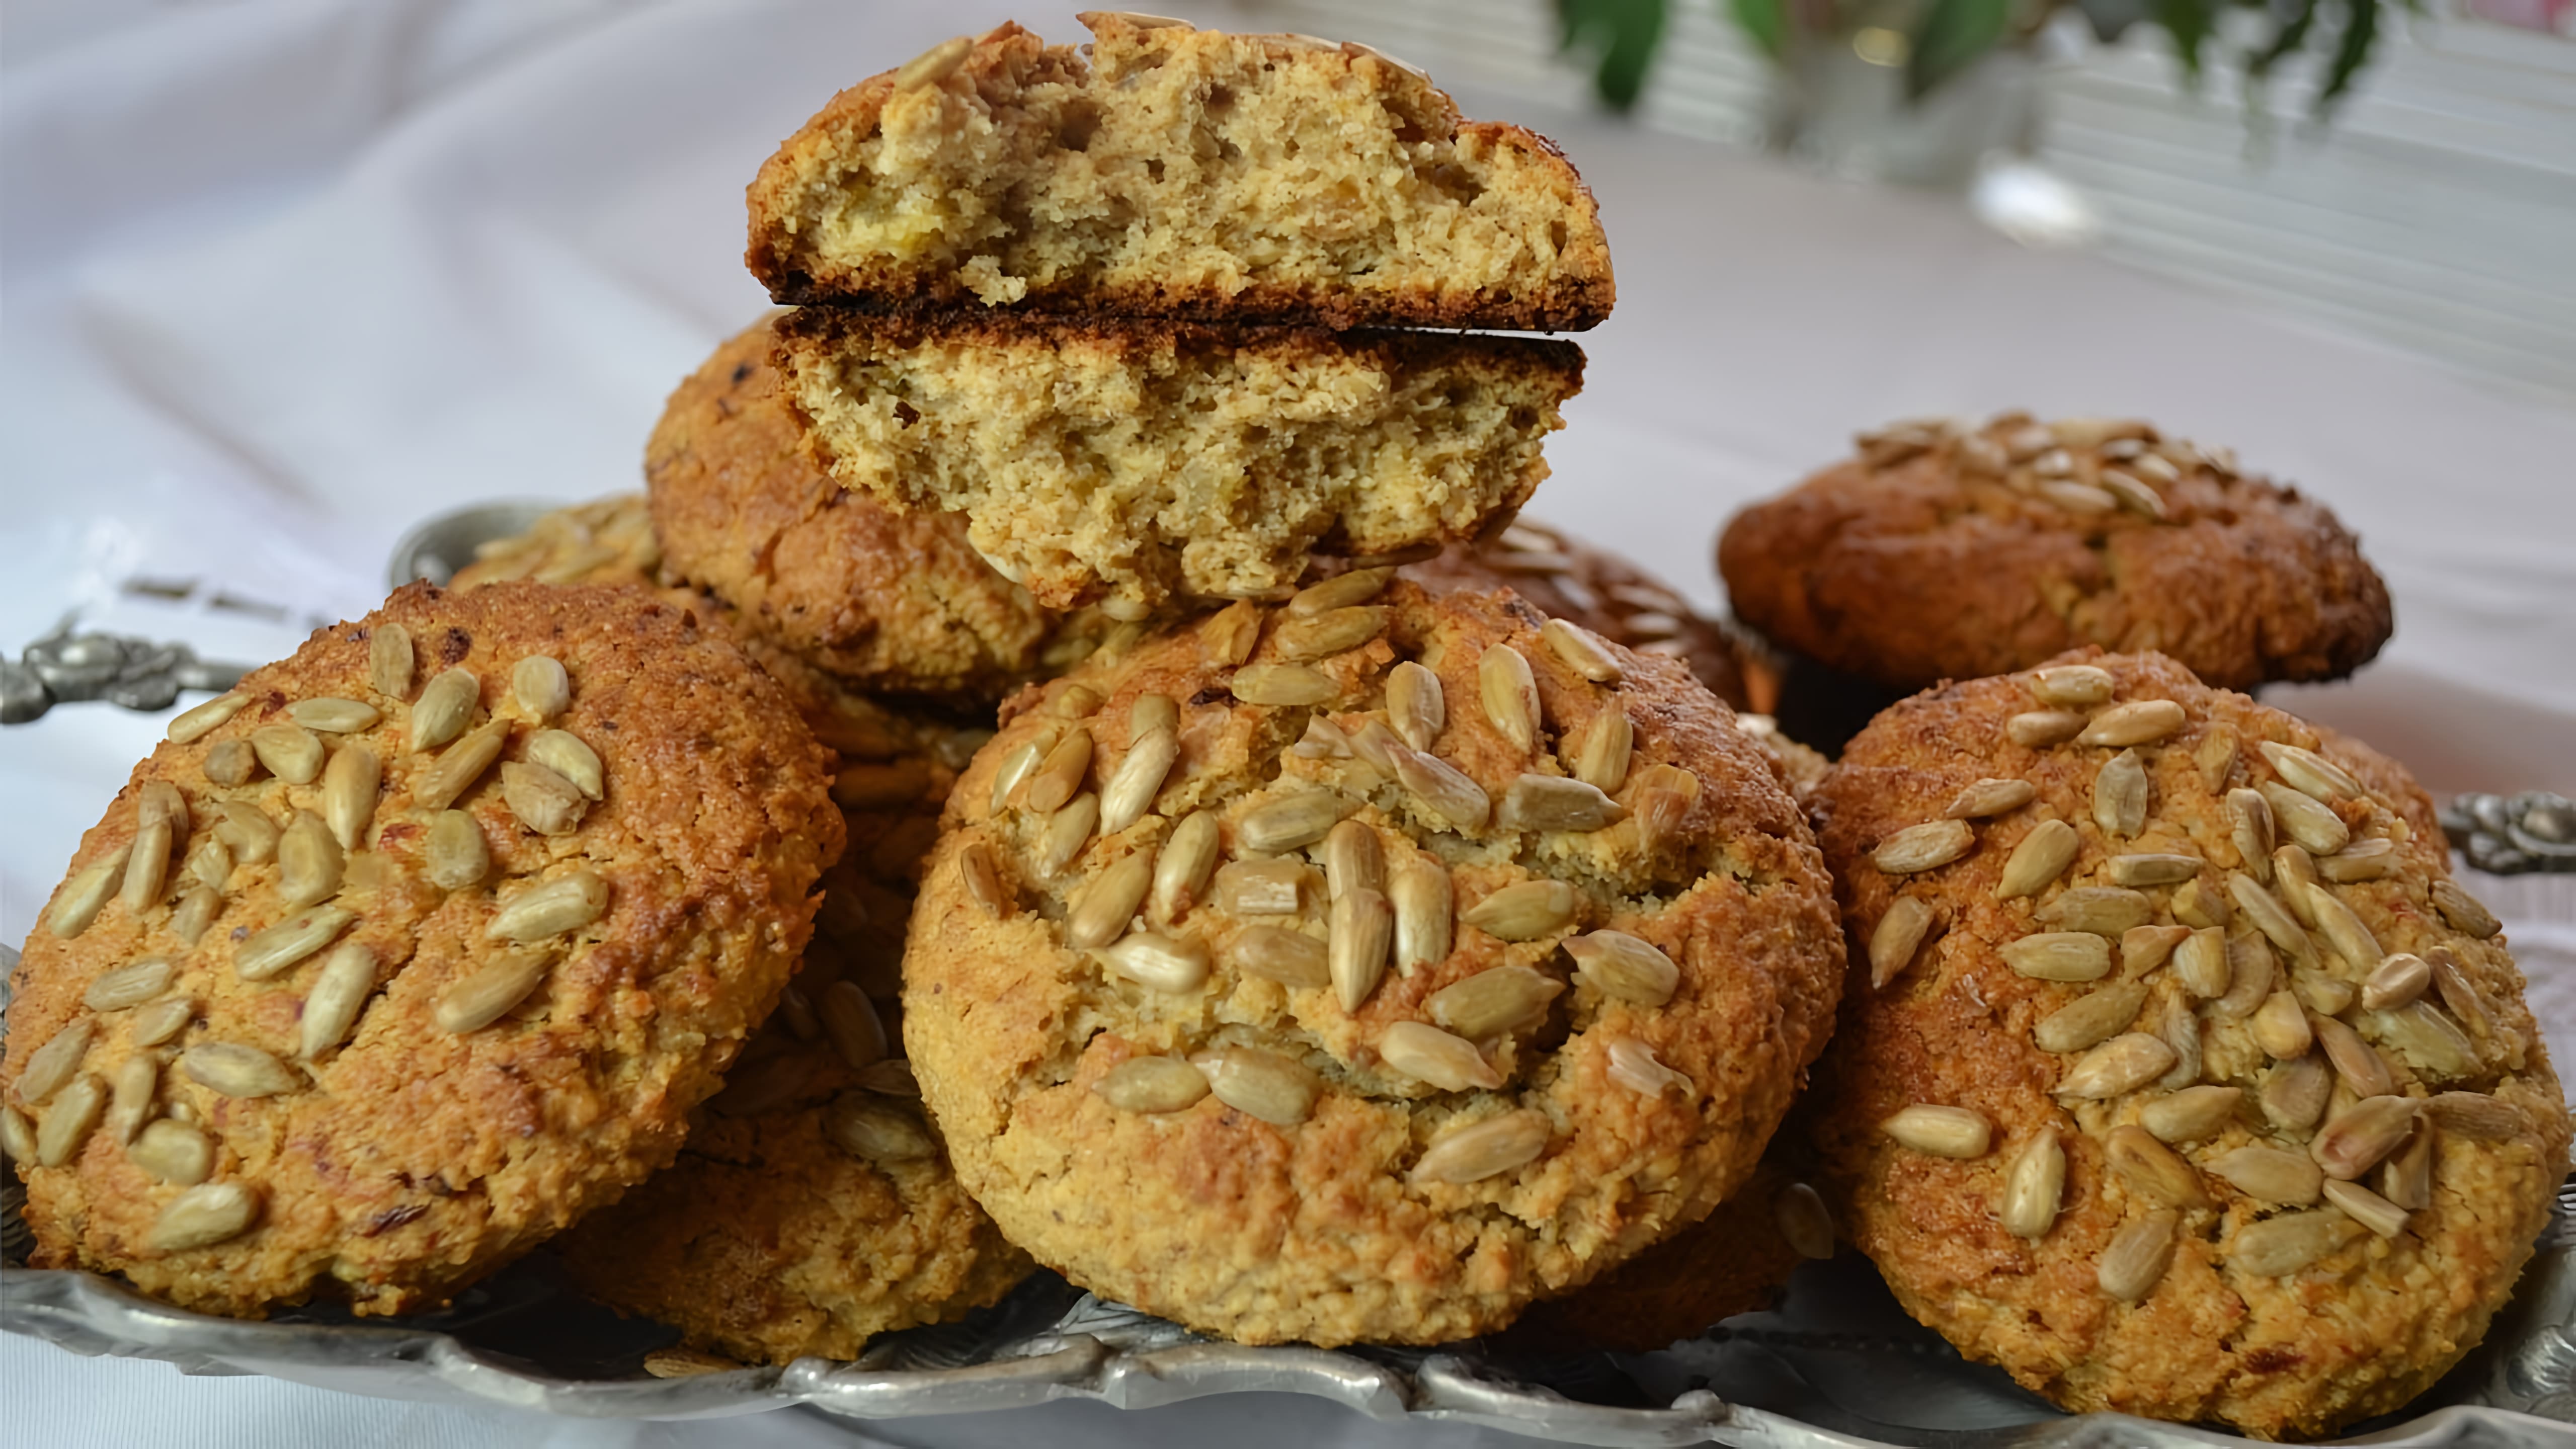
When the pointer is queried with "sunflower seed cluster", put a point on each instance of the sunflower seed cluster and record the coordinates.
(1365, 861)
(2257, 1019)
(2513, 834)
(2086, 468)
(268, 867)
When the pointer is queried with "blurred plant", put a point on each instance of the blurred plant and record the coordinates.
(1947, 36)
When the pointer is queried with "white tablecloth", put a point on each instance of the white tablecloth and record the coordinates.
(285, 275)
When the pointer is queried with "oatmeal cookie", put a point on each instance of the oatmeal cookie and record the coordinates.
(883, 600)
(1167, 171)
(1940, 553)
(1153, 459)
(2173, 1078)
(1362, 969)
(411, 949)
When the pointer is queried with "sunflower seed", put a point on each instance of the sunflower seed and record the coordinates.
(2201, 962)
(2344, 930)
(2270, 1175)
(1228, 636)
(2192, 1114)
(2251, 974)
(1493, 1001)
(2153, 869)
(2072, 685)
(1805, 1221)
(310, 863)
(1483, 1149)
(851, 1021)
(277, 949)
(1525, 911)
(1151, 712)
(1285, 685)
(2273, 919)
(1059, 776)
(1138, 779)
(459, 766)
(17, 1136)
(210, 862)
(172, 1152)
(135, 1084)
(159, 1021)
(1353, 860)
(230, 762)
(2278, 1246)
(455, 856)
(1960, 1132)
(1015, 767)
(51, 1065)
(1363, 926)
(1416, 706)
(1932, 844)
(81, 897)
(1607, 742)
(2042, 856)
(2459, 993)
(1582, 651)
(1075, 701)
(445, 707)
(891, 1078)
(2090, 1019)
(2059, 956)
(216, 1212)
(1100, 911)
(2152, 1170)
(2321, 994)
(2355, 1142)
(1550, 802)
(1428, 1054)
(1275, 953)
(1151, 1084)
(1621, 966)
(2397, 980)
(2406, 1177)
(2427, 1040)
(1157, 961)
(877, 1131)
(1441, 789)
(1266, 1085)
(1372, 742)
(2363, 860)
(2198, 904)
(928, 69)
(2039, 729)
(349, 787)
(1509, 693)
(147, 867)
(2138, 722)
(2280, 1027)
(2077, 497)
(566, 903)
(2034, 1186)
(2120, 794)
(1990, 797)
(340, 991)
(2294, 1095)
(236, 1070)
(251, 836)
(2304, 820)
(2121, 1065)
(2180, 1031)
(983, 879)
(541, 686)
(1661, 803)
(1335, 631)
(2310, 773)
(2367, 1208)
(1323, 740)
(2132, 494)
(493, 991)
(1340, 592)
(2137, 1257)
(129, 985)
(390, 660)
(565, 754)
(193, 724)
(2144, 948)
(1900, 932)
(2463, 910)
(1292, 822)
(2476, 1116)
(1261, 887)
(1419, 891)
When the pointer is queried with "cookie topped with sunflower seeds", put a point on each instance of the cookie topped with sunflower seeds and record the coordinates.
(1364, 968)
(1949, 551)
(411, 949)
(2176, 1076)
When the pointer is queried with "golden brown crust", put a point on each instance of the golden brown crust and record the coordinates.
(1159, 459)
(885, 600)
(1735, 1260)
(1335, 1222)
(1540, 259)
(402, 1160)
(2234, 1329)
(1591, 586)
(1939, 555)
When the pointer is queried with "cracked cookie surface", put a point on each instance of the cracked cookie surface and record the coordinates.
(2176, 1076)
(1362, 969)
(411, 949)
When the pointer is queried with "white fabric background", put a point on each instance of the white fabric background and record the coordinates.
(283, 276)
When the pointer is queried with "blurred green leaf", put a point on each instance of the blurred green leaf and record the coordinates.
(1623, 34)
(2189, 23)
(2351, 52)
(2284, 43)
(1766, 23)
(1954, 33)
